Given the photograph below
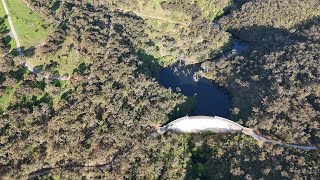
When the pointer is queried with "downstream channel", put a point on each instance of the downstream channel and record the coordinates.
(210, 100)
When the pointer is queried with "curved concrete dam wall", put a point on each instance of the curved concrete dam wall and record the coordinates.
(196, 124)
(199, 124)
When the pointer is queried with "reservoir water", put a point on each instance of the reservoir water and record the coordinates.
(211, 100)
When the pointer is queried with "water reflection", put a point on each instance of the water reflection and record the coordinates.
(210, 99)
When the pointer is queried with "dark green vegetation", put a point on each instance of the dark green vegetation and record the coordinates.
(179, 29)
(275, 88)
(101, 127)
(276, 84)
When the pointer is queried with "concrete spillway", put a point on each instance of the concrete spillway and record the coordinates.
(199, 124)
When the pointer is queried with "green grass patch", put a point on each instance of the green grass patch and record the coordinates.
(30, 27)
(6, 99)
(62, 93)
(5, 28)
(149, 9)
(318, 90)
(68, 58)
(172, 37)
(213, 8)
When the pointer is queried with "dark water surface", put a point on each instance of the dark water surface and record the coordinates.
(240, 46)
(210, 99)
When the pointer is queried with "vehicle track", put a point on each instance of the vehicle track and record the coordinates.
(29, 66)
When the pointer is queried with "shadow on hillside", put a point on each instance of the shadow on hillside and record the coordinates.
(268, 39)
(149, 65)
(264, 40)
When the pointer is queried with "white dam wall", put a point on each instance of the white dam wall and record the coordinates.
(199, 124)
(196, 124)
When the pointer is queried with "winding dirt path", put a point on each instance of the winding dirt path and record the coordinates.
(13, 32)
(29, 66)
(158, 18)
(153, 17)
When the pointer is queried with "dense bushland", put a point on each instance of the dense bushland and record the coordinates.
(100, 124)
(275, 88)
(105, 122)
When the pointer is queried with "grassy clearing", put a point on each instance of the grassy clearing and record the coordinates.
(170, 32)
(2, 12)
(152, 8)
(162, 23)
(166, 54)
(68, 58)
(5, 28)
(66, 87)
(210, 9)
(318, 90)
(31, 28)
(6, 99)
(213, 8)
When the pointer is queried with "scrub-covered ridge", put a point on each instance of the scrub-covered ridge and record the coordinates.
(101, 122)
